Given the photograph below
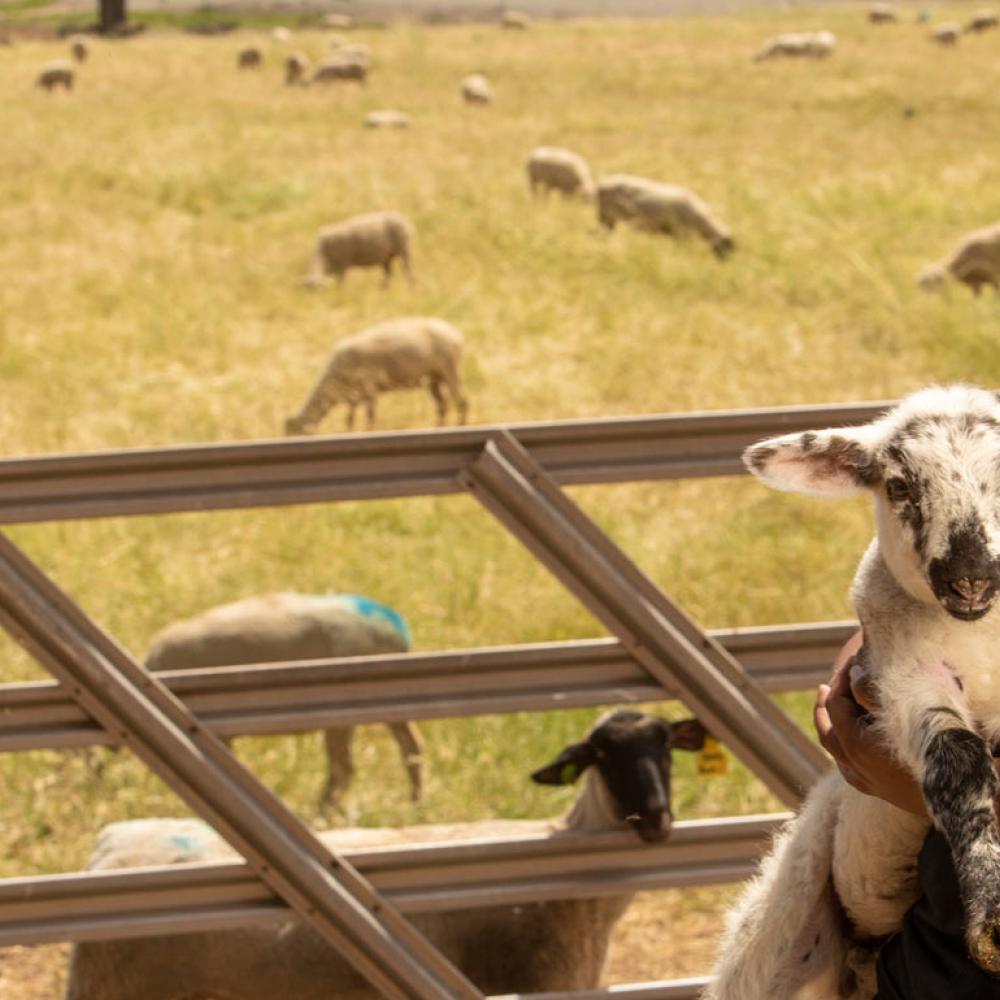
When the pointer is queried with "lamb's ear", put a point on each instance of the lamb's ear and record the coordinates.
(568, 766)
(821, 463)
(687, 734)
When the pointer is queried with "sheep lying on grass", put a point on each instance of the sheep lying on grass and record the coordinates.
(803, 44)
(387, 118)
(553, 169)
(274, 628)
(249, 58)
(58, 73)
(375, 239)
(296, 68)
(402, 353)
(476, 89)
(982, 20)
(524, 948)
(843, 873)
(659, 208)
(975, 262)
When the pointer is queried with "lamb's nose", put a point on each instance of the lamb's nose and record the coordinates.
(972, 591)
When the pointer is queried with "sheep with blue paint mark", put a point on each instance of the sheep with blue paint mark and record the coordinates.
(274, 628)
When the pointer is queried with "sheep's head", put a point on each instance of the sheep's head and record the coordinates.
(631, 753)
(723, 246)
(933, 466)
(932, 278)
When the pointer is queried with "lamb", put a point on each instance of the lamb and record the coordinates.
(296, 67)
(273, 628)
(476, 89)
(842, 873)
(660, 208)
(553, 169)
(947, 33)
(401, 353)
(982, 20)
(58, 73)
(387, 118)
(250, 58)
(807, 44)
(525, 948)
(375, 239)
(79, 50)
(882, 13)
(975, 262)
(341, 66)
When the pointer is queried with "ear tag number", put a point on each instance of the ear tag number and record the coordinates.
(712, 760)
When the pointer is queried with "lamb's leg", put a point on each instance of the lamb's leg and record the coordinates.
(340, 766)
(786, 931)
(411, 749)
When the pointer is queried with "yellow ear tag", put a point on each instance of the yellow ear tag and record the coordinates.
(712, 760)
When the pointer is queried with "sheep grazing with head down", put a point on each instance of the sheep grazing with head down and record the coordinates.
(974, 262)
(476, 89)
(798, 44)
(553, 169)
(842, 874)
(403, 353)
(342, 65)
(523, 948)
(374, 239)
(274, 628)
(660, 208)
(55, 74)
(982, 20)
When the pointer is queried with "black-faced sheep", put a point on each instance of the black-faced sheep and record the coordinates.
(553, 169)
(660, 208)
(375, 239)
(403, 353)
(273, 628)
(843, 872)
(974, 262)
(525, 948)
(59, 73)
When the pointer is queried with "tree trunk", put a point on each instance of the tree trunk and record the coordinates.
(112, 16)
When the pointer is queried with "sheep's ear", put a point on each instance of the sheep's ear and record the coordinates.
(821, 463)
(568, 766)
(687, 734)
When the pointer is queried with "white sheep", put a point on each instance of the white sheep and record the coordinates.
(553, 169)
(273, 628)
(281, 34)
(523, 948)
(78, 49)
(804, 44)
(338, 22)
(659, 208)
(842, 874)
(402, 353)
(476, 89)
(250, 57)
(341, 66)
(947, 33)
(514, 20)
(975, 262)
(982, 20)
(374, 239)
(58, 73)
(296, 68)
(882, 13)
(387, 118)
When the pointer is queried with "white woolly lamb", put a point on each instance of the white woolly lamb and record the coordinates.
(659, 208)
(58, 73)
(801, 44)
(274, 628)
(375, 239)
(524, 948)
(974, 262)
(553, 169)
(476, 89)
(403, 353)
(387, 118)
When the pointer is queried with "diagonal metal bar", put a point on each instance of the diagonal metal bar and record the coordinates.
(659, 634)
(322, 888)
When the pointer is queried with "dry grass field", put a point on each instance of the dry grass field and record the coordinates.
(157, 221)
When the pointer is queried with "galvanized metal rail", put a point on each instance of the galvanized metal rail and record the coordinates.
(306, 695)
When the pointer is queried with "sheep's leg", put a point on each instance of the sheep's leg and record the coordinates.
(454, 382)
(440, 403)
(404, 257)
(340, 766)
(351, 407)
(370, 404)
(386, 271)
(411, 749)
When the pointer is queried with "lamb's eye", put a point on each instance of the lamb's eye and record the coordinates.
(897, 490)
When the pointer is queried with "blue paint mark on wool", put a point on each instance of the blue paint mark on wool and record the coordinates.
(368, 608)
(186, 844)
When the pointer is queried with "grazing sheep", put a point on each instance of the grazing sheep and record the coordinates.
(59, 73)
(882, 13)
(476, 89)
(982, 20)
(975, 262)
(341, 67)
(659, 208)
(843, 872)
(274, 628)
(947, 33)
(296, 68)
(402, 353)
(79, 50)
(281, 35)
(805, 44)
(249, 58)
(375, 239)
(387, 118)
(522, 948)
(553, 169)
(514, 20)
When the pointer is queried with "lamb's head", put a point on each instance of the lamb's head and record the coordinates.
(628, 754)
(933, 466)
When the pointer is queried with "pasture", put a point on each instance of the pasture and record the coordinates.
(157, 221)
